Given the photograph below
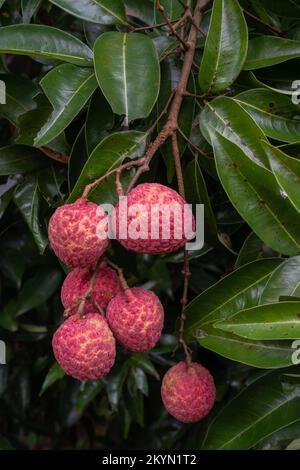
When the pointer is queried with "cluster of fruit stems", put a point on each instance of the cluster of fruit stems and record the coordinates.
(169, 131)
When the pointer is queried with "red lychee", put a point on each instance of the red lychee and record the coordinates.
(76, 233)
(106, 285)
(153, 220)
(85, 347)
(136, 319)
(188, 393)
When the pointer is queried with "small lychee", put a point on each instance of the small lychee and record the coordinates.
(188, 393)
(77, 233)
(85, 347)
(155, 220)
(136, 318)
(106, 285)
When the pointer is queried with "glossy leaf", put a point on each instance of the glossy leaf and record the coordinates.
(120, 64)
(143, 11)
(55, 373)
(19, 94)
(29, 8)
(44, 41)
(109, 154)
(285, 281)
(275, 113)
(68, 88)
(98, 123)
(227, 117)
(16, 159)
(264, 51)
(27, 198)
(97, 11)
(263, 407)
(260, 354)
(240, 289)
(225, 47)
(253, 191)
(287, 173)
(264, 322)
(252, 249)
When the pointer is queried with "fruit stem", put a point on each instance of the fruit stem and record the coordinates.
(123, 281)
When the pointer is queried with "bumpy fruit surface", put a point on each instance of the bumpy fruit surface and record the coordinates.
(106, 286)
(85, 347)
(136, 319)
(188, 393)
(73, 233)
(155, 240)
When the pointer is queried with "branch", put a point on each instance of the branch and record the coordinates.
(173, 31)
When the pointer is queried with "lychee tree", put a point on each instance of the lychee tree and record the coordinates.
(166, 102)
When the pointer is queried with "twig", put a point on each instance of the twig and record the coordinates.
(191, 143)
(262, 22)
(153, 26)
(122, 279)
(119, 187)
(82, 300)
(59, 157)
(173, 31)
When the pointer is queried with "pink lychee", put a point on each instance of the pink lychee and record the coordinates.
(106, 285)
(85, 347)
(152, 220)
(77, 233)
(188, 393)
(136, 319)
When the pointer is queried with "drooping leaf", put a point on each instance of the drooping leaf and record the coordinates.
(260, 354)
(225, 47)
(44, 41)
(97, 11)
(240, 289)
(264, 51)
(27, 199)
(287, 173)
(68, 88)
(264, 322)
(275, 113)
(16, 159)
(55, 373)
(109, 154)
(253, 191)
(120, 63)
(262, 408)
(285, 281)
(227, 117)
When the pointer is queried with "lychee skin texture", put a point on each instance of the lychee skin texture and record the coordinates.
(106, 286)
(188, 393)
(149, 194)
(85, 347)
(73, 233)
(136, 319)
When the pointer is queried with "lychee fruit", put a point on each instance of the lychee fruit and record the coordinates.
(106, 285)
(77, 233)
(85, 347)
(188, 393)
(136, 319)
(154, 219)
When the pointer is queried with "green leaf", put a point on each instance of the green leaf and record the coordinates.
(27, 199)
(20, 93)
(143, 11)
(225, 47)
(97, 124)
(262, 408)
(264, 51)
(30, 122)
(120, 64)
(285, 281)
(55, 373)
(264, 322)
(44, 41)
(253, 191)
(96, 11)
(16, 159)
(288, 8)
(173, 9)
(226, 116)
(240, 289)
(143, 362)
(68, 88)
(287, 173)
(253, 248)
(29, 8)
(275, 113)
(78, 158)
(109, 154)
(170, 76)
(141, 381)
(88, 392)
(260, 354)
